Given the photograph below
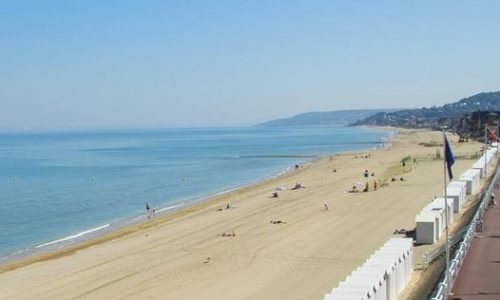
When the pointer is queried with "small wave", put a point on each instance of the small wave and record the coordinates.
(110, 150)
(168, 208)
(279, 156)
(73, 236)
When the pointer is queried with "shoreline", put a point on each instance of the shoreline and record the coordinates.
(99, 234)
(140, 222)
(184, 255)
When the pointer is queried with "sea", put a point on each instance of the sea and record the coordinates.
(61, 187)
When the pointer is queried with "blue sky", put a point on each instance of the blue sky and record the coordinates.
(74, 64)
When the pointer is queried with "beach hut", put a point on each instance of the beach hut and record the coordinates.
(374, 276)
(439, 212)
(491, 155)
(427, 229)
(439, 203)
(348, 294)
(393, 277)
(402, 249)
(455, 193)
(401, 257)
(378, 274)
(471, 177)
(358, 288)
(462, 186)
(366, 283)
(383, 275)
(480, 165)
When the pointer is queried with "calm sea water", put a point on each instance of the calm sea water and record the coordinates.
(58, 187)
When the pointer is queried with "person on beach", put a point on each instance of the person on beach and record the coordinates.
(325, 207)
(148, 210)
(493, 201)
(277, 222)
(298, 185)
(229, 234)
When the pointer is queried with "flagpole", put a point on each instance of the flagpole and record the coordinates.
(447, 248)
(484, 151)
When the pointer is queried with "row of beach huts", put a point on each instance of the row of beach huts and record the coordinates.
(385, 274)
(432, 221)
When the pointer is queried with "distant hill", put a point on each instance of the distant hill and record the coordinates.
(430, 116)
(338, 117)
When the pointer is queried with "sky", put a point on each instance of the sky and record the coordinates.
(107, 64)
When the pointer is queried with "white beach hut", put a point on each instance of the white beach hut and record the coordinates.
(480, 165)
(455, 193)
(372, 285)
(338, 294)
(427, 229)
(471, 177)
(383, 276)
(440, 213)
(439, 203)
(491, 155)
(374, 276)
(462, 186)
(403, 250)
(396, 253)
(390, 271)
(358, 287)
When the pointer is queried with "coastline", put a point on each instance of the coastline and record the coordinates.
(311, 252)
(112, 229)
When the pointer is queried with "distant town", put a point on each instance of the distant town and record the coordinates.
(469, 117)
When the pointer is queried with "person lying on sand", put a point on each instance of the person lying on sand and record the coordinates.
(354, 189)
(228, 206)
(277, 222)
(231, 234)
(298, 185)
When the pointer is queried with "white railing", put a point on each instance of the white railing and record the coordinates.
(459, 256)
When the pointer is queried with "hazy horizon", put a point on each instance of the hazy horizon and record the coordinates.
(154, 64)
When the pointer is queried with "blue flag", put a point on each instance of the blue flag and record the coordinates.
(448, 156)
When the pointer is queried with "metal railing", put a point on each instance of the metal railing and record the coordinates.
(468, 235)
(432, 255)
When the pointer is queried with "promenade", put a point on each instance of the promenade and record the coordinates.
(479, 277)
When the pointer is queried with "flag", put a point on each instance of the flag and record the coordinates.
(492, 136)
(448, 156)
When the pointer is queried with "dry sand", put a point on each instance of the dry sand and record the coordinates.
(184, 256)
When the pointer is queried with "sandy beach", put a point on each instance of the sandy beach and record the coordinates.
(183, 255)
